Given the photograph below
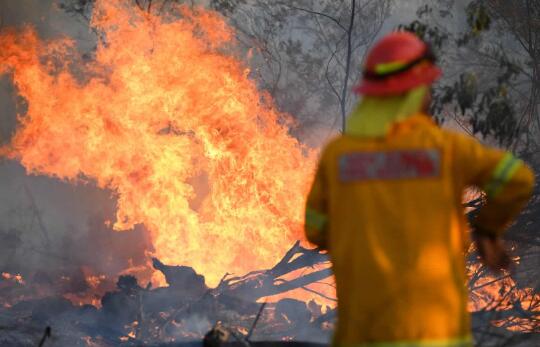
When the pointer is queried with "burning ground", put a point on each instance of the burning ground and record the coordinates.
(254, 307)
(183, 311)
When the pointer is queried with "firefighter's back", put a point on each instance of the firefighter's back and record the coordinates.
(386, 203)
(396, 233)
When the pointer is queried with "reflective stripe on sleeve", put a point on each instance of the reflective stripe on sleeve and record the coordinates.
(506, 168)
(315, 219)
(463, 342)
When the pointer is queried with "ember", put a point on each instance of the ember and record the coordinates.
(16, 278)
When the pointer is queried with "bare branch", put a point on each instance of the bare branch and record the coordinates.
(319, 14)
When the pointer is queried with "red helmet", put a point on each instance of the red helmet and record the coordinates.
(399, 62)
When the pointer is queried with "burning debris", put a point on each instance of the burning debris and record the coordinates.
(186, 310)
(241, 309)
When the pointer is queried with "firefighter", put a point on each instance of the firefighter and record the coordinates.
(386, 203)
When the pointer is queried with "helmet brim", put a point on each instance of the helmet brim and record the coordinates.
(401, 83)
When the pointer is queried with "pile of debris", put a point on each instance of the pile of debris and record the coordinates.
(240, 311)
(185, 310)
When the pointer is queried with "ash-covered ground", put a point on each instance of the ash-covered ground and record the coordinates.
(184, 311)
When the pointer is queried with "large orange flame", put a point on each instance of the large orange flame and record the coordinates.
(172, 124)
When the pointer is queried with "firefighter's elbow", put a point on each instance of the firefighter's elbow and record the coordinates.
(518, 189)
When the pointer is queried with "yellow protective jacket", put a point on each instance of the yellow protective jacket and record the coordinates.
(389, 211)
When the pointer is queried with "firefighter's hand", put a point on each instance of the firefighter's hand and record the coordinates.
(492, 251)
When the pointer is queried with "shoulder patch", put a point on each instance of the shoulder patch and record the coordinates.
(389, 165)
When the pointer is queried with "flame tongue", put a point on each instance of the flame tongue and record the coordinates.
(173, 127)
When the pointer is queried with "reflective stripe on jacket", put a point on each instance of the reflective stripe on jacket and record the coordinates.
(389, 211)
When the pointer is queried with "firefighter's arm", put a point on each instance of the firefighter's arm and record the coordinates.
(316, 216)
(507, 183)
(508, 189)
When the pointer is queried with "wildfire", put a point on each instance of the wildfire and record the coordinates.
(173, 126)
